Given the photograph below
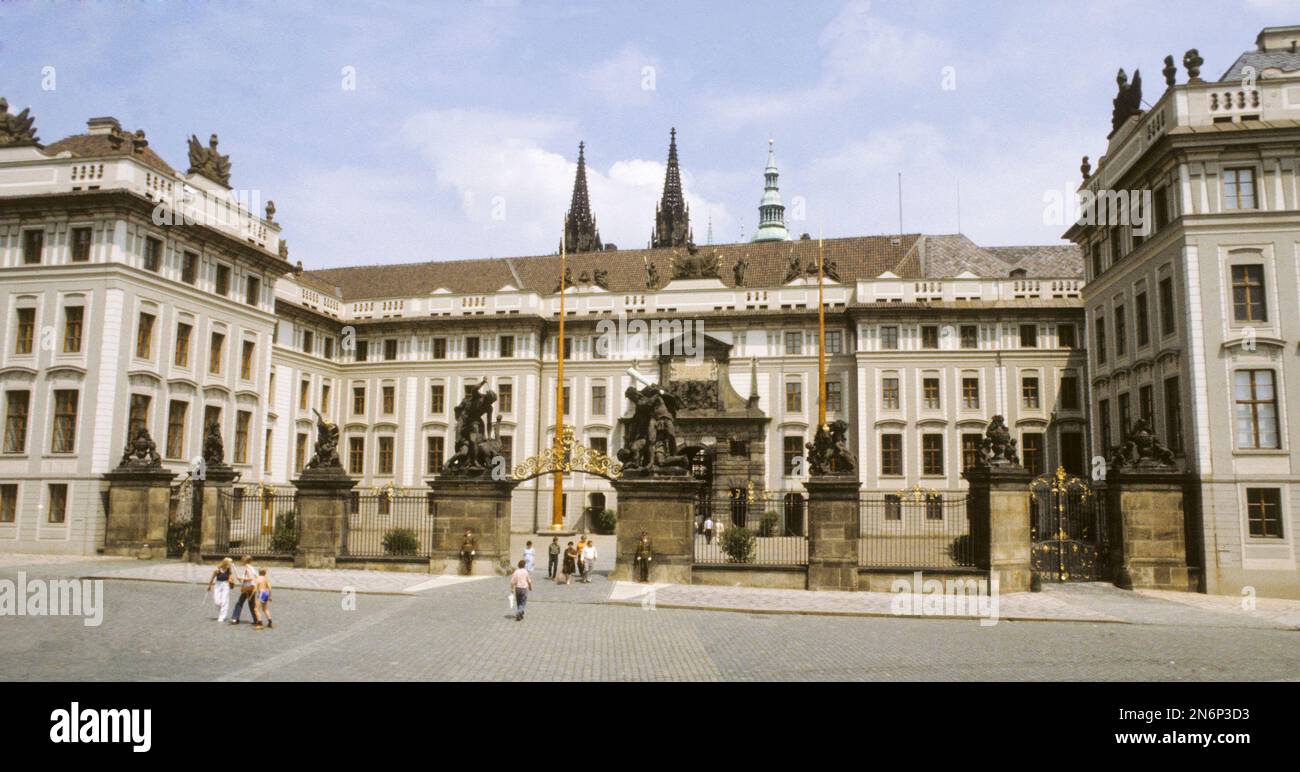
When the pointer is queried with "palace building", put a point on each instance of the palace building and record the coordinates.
(135, 294)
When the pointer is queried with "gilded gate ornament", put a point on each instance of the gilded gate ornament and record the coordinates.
(568, 455)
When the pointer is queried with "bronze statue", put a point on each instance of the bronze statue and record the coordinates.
(567, 281)
(742, 265)
(1128, 102)
(694, 265)
(650, 439)
(829, 454)
(600, 277)
(1141, 449)
(468, 549)
(208, 162)
(1085, 168)
(475, 449)
(998, 448)
(643, 557)
(327, 445)
(141, 452)
(651, 275)
(16, 130)
(793, 269)
(214, 450)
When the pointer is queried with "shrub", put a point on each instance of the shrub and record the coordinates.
(739, 544)
(962, 551)
(284, 539)
(604, 521)
(400, 542)
(769, 523)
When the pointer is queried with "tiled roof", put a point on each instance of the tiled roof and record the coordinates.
(1286, 61)
(103, 145)
(1063, 261)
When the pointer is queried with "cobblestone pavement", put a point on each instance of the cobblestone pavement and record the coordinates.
(466, 631)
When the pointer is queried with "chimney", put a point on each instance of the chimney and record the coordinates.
(105, 125)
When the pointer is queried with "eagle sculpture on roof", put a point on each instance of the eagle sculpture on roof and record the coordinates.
(16, 130)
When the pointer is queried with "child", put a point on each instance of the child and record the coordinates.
(529, 556)
(219, 585)
(263, 595)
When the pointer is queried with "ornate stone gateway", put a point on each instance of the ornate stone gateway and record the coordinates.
(1068, 529)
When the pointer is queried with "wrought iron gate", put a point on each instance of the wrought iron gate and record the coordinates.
(1068, 529)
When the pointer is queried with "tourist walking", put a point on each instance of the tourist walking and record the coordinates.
(569, 567)
(530, 555)
(588, 561)
(708, 529)
(521, 581)
(247, 577)
(219, 585)
(553, 558)
(263, 593)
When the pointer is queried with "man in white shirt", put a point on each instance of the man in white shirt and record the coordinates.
(588, 560)
(520, 583)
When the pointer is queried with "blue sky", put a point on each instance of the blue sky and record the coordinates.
(460, 136)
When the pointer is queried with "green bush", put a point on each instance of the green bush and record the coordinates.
(604, 521)
(768, 525)
(284, 539)
(739, 544)
(400, 542)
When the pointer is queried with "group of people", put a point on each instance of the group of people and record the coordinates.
(254, 590)
(561, 566)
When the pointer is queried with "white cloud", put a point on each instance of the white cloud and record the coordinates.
(630, 77)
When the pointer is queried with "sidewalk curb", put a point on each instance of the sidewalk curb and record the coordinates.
(866, 614)
(399, 593)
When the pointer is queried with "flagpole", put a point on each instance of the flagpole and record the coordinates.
(821, 337)
(557, 500)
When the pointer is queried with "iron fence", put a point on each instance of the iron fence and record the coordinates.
(260, 522)
(926, 531)
(389, 525)
(742, 529)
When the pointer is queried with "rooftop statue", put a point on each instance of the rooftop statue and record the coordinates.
(1128, 102)
(208, 162)
(16, 130)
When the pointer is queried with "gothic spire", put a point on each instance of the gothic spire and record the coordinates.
(580, 233)
(672, 215)
(771, 210)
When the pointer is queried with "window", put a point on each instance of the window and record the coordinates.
(1168, 325)
(1256, 409)
(304, 393)
(791, 449)
(33, 243)
(1065, 336)
(934, 507)
(389, 399)
(357, 455)
(891, 455)
(439, 348)
(215, 353)
(834, 342)
(1160, 202)
(598, 399)
(190, 268)
(1147, 405)
(390, 349)
(252, 291)
(932, 454)
(1238, 188)
(506, 397)
(930, 336)
(26, 331)
(152, 254)
(1264, 512)
(472, 344)
(81, 240)
(362, 350)
(1029, 396)
(1069, 397)
(1125, 416)
(508, 449)
(599, 444)
(1103, 425)
(223, 280)
(1121, 331)
(138, 414)
(324, 397)
(211, 417)
(72, 318)
(1029, 336)
(8, 503)
(242, 419)
(568, 403)
(970, 393)
(246, 360)
(17, 408)
(385, 455)
(1248, 293)
(328, 343)
(358, 400)
(300, 452)
(893, 506)
(930, 393)
(1143, 320)
(1031, 452)
(793, 343)
(437, 398)
(834, 396)
(1100, 327)
(793, 397)
(889, 338)
(970, 336)
(889, 394)
(144, 337)
(1097, 265)
(176, 412)
(181, 355)
(266, 453)
(1173, 415)
(58, 512)
(1116, 237)
(738, 448)
(970, 450)
(506, 346)
(308, 341)
(433, 446)
(65, 421)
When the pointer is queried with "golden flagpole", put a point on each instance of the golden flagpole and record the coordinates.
(557, 501)
(821, 338)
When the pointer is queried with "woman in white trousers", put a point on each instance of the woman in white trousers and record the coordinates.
(219, 585)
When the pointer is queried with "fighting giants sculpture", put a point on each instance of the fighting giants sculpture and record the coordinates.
(475, 448)
(650, 439)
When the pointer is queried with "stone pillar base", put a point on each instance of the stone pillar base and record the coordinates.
(663, 507)
(481, 505)
(217, 479)
(998, 506)
(1149, 551)
(321, 503)
(139, 501)
(833, 526)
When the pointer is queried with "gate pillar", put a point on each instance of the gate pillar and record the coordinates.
(1148, 541)
(664, 508)
(322, 516)
(998, 508)
(138, 504)
(478, 504)
(833, 526)
(214, 530)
